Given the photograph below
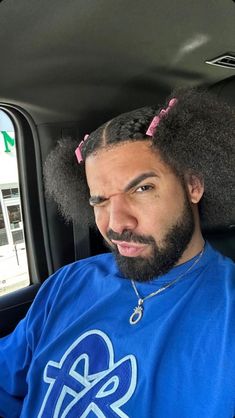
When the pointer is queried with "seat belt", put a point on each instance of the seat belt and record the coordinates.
(81, 234)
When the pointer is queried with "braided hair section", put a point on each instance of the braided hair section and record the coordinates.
(130, 126)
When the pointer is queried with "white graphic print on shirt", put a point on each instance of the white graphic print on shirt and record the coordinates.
(87, 379)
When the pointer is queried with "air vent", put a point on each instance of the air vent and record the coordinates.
(226, 61)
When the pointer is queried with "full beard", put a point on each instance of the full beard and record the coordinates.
(163, 256)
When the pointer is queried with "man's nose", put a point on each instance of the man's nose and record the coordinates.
(121, 215)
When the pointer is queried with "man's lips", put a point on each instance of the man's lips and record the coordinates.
(129, 249)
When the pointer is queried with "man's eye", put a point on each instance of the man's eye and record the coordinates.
(144, 188)
(98, 204)
(94, 202)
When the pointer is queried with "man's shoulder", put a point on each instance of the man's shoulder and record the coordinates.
(102, 264)
(220, 257)
(88, 270)
(101, 260)
(219, 263)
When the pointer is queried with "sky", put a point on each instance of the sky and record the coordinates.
(5, 122)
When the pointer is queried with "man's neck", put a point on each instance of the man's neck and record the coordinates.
(194, 247)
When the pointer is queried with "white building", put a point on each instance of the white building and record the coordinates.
(13, 259)
(11, 230)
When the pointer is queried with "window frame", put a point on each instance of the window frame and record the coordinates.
(31, 194)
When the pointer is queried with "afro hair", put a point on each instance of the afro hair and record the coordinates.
(196, 136)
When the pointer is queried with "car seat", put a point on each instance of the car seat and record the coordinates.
(224, 238)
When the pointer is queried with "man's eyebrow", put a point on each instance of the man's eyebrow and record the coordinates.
(137, 180)
(96, 200)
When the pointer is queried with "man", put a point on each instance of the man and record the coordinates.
(148, 329)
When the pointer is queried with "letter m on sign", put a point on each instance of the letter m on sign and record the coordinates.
(8, 140)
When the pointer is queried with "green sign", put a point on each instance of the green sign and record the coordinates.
(8, 141)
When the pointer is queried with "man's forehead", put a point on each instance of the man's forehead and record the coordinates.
(122, 164)
(137, 154)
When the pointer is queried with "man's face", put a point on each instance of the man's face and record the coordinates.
(141, 209)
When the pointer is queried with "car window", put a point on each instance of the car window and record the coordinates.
(14, 272)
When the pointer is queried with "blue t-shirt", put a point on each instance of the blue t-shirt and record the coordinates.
(76, 354)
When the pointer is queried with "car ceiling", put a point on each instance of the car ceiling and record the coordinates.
(65, 60)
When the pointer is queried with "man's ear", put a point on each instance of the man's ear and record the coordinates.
(195, 187)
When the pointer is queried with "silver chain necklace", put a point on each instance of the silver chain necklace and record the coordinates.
(139, 309)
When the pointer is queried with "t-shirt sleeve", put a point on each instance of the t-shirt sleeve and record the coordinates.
(16, 349)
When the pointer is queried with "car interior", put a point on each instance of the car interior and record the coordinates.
(69, 66)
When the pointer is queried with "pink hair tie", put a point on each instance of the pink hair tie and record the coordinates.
(78, 150)
(155, 122)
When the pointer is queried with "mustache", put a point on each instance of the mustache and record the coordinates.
(129, 236)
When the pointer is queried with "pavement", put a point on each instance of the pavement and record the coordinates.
(13, 268)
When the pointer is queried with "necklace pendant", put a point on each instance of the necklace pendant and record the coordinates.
(137, 314)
